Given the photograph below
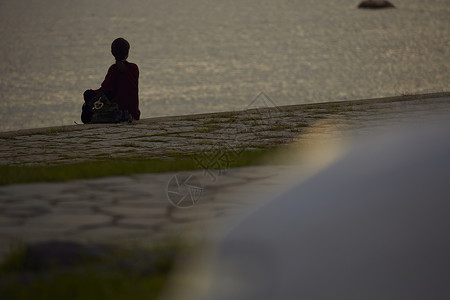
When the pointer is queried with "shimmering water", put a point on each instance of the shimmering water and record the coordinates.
(214, 55)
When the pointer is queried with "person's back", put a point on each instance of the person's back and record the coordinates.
(121, 84)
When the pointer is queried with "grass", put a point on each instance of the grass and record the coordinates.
(103, 278)
(87, 285)
(7, 138)
(91, 169)
(108, 166)
(11, 174)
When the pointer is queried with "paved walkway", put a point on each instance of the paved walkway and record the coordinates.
(138, 207)
(248, 129)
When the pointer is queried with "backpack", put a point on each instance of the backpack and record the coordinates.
(99, 109)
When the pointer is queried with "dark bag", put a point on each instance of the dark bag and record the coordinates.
(98, 109)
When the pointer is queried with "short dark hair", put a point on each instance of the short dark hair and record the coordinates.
(120, 48)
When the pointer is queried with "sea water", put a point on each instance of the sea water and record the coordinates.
(200, 56)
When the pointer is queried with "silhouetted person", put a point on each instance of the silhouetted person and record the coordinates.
(121, 82)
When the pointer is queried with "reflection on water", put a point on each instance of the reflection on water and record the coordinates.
(210, 55)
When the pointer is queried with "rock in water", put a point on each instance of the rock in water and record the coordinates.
(374, 4)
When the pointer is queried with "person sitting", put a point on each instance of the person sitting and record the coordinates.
(121, 84)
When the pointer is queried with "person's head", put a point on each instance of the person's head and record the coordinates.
(120, 48)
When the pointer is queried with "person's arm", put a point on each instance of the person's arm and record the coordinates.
(136, 112)
(108, 85)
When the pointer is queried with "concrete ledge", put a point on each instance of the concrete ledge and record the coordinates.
(68, 128)
(187, 135)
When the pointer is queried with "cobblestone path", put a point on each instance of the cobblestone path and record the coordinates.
(137, 207)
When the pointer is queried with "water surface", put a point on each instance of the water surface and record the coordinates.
(214, 55)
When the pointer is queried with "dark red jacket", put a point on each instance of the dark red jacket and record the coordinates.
(122, 88)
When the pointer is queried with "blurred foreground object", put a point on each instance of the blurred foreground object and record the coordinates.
(373, 225)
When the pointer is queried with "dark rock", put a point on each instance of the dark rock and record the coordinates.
(60, 254)
(374, 4)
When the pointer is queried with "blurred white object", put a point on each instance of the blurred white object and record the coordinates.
(373, 225)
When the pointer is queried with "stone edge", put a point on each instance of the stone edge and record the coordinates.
(79, 127)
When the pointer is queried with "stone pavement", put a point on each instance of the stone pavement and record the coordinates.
(249, 129)
(127, 209)
(136, 208)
